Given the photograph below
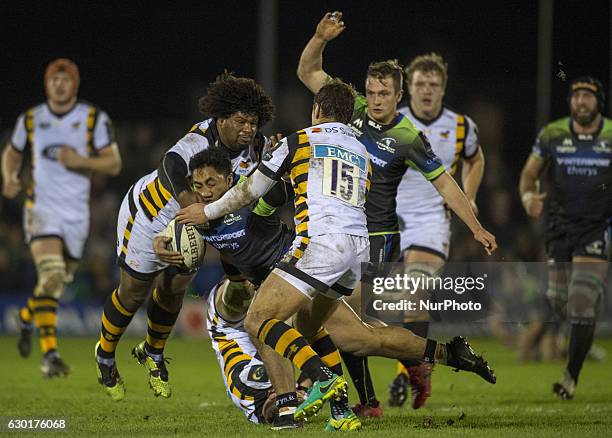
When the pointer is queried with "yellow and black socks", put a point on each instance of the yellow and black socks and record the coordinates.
(115, 320)
(323, 345)
(160, 324)
(45, 318)
(26, 314)
(288, 342)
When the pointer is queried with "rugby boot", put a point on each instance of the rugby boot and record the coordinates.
(367, 411)
(24, 342)
(52, 365)
(109, 378)
(420, 383)
(348, 422)
(320, 392)
(462, 357)
(398, 390)
(566, 388)
(158, 373)
(286, 421)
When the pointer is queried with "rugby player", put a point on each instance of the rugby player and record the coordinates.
(251, 242)
(67, 140)
(394, 145)
(578, 151)
(425, 219)
(237, 108)
(300, 276)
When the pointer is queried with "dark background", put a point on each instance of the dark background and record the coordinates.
(146, 64)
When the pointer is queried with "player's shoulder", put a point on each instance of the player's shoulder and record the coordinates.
(556, 127)
(404, 130)
(87, 107)
(606, 130)
(202, 127)
(34, 110)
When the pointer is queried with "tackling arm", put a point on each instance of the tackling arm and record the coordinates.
(240, 195)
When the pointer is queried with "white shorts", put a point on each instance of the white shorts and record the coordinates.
(135, 242)
(42, 220)
(329, 264)
(427, 231)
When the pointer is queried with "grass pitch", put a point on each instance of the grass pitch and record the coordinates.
(520, 404)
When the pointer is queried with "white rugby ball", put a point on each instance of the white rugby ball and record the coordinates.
(186, 240)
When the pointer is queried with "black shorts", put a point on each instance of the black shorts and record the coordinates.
(568, 238)
(385, 248)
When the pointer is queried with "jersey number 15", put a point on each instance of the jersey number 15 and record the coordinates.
(341, 180)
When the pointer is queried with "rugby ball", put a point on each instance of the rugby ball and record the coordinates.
(186, 240)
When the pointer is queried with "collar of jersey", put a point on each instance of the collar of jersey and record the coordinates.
(61, 116)
(424, 121)
(595, 134)
(384, 128)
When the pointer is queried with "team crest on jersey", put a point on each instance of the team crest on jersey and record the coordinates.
(231, 218)
(258, 374)
(445, 134)
(385, 144)
(76, 125)
(567, 147)
(339, 153)
(51, 152)
(44, 125)
(603, 147)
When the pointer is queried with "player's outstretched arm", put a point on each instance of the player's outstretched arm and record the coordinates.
(11, 164)
(310, 69)
(242, 194)
(533, 201)
(459, 203)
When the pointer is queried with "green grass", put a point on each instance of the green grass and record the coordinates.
(462, 404)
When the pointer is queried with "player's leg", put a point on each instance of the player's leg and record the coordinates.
(585, 294)
(342, 417)
(47, 253)
(351, 334)
(418, 261)
(277, 300)
(119, 309)
(162, 312)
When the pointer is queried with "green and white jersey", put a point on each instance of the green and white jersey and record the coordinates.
(580, 169)
(393, 149)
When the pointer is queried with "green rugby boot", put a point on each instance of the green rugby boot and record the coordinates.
(109, 378)
(158, 373)
(320, 392)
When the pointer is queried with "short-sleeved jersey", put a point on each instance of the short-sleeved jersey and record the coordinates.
(249, 240)
(452, 136)
(393, 149)
(235, 352)
(85, 128)
(330, 174)
(580, 169)
(155, 201)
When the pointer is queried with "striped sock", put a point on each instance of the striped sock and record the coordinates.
(115, 319)
(45, 318)
(160, 325)
(26, 313)
(288, 342)
(323, 345)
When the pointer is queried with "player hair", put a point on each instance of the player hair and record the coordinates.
(230, 94)
(336, 100)
(390, 67)
(214, 157)
(428, 63)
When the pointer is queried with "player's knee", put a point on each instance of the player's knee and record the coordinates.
(585, 292)
(252, 323)
(51, 270)
(132, 297)
(169, 299)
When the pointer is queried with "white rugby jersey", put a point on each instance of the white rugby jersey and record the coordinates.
(236, 355)
(452, 136)
(155, 201)
(85, 128)
(330, 172)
